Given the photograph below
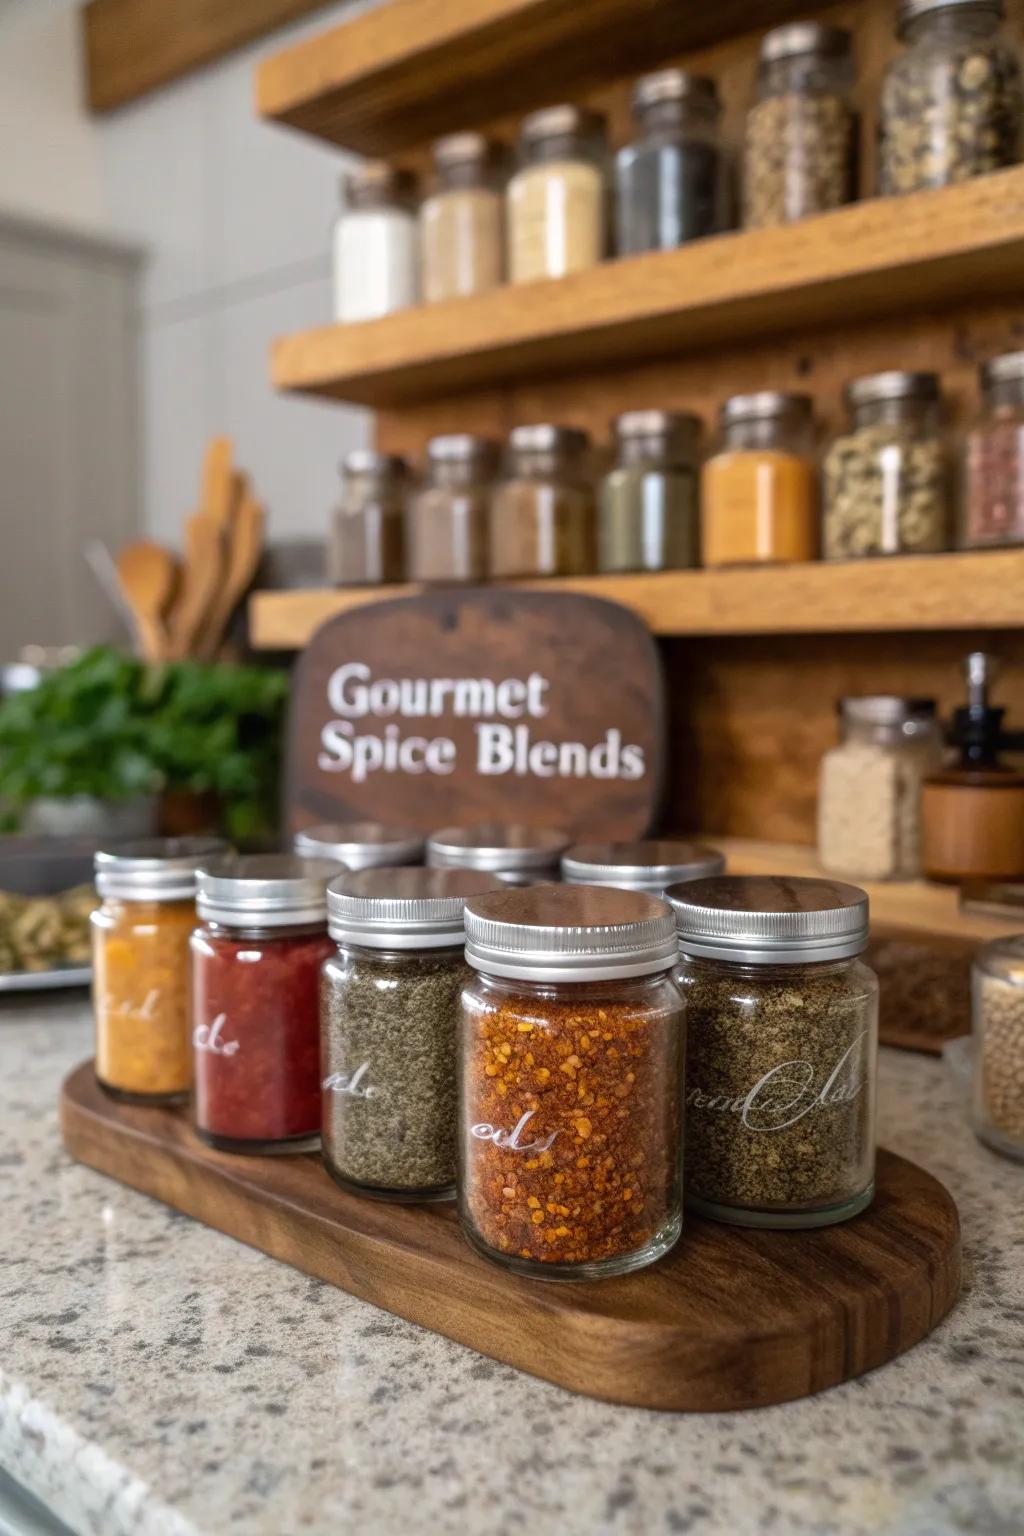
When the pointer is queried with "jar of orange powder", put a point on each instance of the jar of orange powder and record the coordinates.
(760, 490)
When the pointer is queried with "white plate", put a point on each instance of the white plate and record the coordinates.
(46, 981)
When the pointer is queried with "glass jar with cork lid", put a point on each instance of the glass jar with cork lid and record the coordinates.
(648, 516)
(556, 199)
(462, 235)
(368, 538)
(759, 493)
(448, 517)
(542, 516)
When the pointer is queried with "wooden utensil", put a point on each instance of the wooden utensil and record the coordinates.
(241, 557)
(148, 575)
(219, 493)
(201, 574)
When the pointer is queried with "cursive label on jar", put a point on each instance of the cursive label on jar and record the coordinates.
(209, 1037)
(126, 1008)
(351, 1083)
(788, 1092)
(511, 1141)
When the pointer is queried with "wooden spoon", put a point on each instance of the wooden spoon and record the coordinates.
(201, 576)
(148, 575)
(218, 497)
(242, 558)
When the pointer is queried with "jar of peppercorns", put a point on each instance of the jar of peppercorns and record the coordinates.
(570, 1082)
(993, 482)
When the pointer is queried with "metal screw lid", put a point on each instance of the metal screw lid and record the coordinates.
(649, 865)
(462, 448)
(376, 182)
(463, 149)
(569, 933)
(494, 848)
(366, 461)
(360, 844)
(892, 385)
(910, 10)
(673, 85)
(155, 868)
(765, 405)
(545, 437)
(885, 709)
(554, 122)
(1007, 369)
(805, 37)
(403, 908)
(769, 919)
(677, 430)
(265, 890)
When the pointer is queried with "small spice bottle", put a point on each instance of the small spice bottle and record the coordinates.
(798, 155)
(516, 855)
(140, 934)
(648, 508)
(376, 256)
(389, 1009)
(997, 991)
(571, 1067)
(759, 499)
(542, 520)
(951, 103)
(368, 542)
(256, 958)
(360, 844)
(651, 865)
(886, 479)
(556, 199)
(782, 1027)
(447, 525)
(670, 183)
(993, 471)
(462, 234)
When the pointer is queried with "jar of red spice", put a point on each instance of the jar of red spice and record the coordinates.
(993, 485)
(570, 1093)
(256, 959)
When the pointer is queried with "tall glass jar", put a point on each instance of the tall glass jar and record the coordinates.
(648, 511)
(447, 522)
(992, 502)
(256, 958)
(140, 934)
(542, 519)
(389, 1013)
(570, 1072)
(368, 543)
(360, 844)
(997, 987)
(651, 865)
(462, 233)
(759, 500)
(556, 199)
(782, 1038)
(951, 104)
(886, 478)
(869, 790)
(670, 183)
(517, 855)
(800, 137)
(376, 255)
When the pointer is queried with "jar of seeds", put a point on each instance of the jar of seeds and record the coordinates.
(782, 1026)
(997, 987)
(517, 855)
(360, 844)
(800, 133)
(993, 477)
(886, 481)
(389, 1009)
(649, 865)
(951, 104)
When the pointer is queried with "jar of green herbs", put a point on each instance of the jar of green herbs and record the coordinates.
(648, 507)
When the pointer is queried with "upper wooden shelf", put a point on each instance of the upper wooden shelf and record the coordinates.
(869, 259)
(414, 69)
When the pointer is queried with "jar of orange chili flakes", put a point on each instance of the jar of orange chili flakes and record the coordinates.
(570, 1099)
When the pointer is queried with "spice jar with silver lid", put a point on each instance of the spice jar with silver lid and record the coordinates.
(368, 534)
(759, 490)
(782, 1029)
(462, 220)
(650, 865)
(997, 989)
(389, 1010)
(992, 503)
(542, 518)
(376, 259)
(671, 183)
(648, 508)
(556, 199)
(447, 521)
(518, 855)
(360, 844)
(570, 1073)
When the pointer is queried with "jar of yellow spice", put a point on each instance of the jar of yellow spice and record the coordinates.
(140, 965)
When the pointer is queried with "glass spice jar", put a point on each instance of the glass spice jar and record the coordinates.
(256, 958)
(759, 499)
(517, 855)
(650, 865)
(782, 1027)
(447, 526)
(798, 154)
(140, 935)
(997, 997)
(389, 1011)
(556, 199)
(360, 844)
(670, 183)
(570, 1071)
(368, 539)
(886, 480)
(648, 509)
(375, 254)
(951, 103)
(869, 787)
(542, 519)
(462, 236)
(992, 501)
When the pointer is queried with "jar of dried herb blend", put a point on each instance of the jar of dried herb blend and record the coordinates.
(782, 1025)
(360, 844)
(998, 1024)
(648, 507)
(650, 865)
(517, 855)
(570, 1067)
(389, 1010)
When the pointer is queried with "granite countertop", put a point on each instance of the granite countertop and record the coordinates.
(160, 1379)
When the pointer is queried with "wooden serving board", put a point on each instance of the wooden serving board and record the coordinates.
(731, 1319)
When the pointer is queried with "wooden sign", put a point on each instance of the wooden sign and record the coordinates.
(483, 704)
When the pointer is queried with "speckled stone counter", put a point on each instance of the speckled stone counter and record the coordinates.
(159, 1379)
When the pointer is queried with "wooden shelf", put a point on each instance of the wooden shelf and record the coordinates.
(977, 590)
(866, 260)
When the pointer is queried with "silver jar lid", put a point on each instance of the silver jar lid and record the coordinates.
(770, 919)
(360, 844)
(569, 933)
(680, 429)
(673, 85)
(910, 10)
(463, 149)
(462, 448)
(649, 865)
(559, 122)
(885, 709)
(494, 848)
(375, 183)
(765, 405)
(268, 890)
(1007, 369)
(801, 37)
(403, 908)
(896, 384)
(155, 868)
(545, 437)
(366, 461)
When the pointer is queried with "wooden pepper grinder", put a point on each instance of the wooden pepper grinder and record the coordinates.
(973, 815)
